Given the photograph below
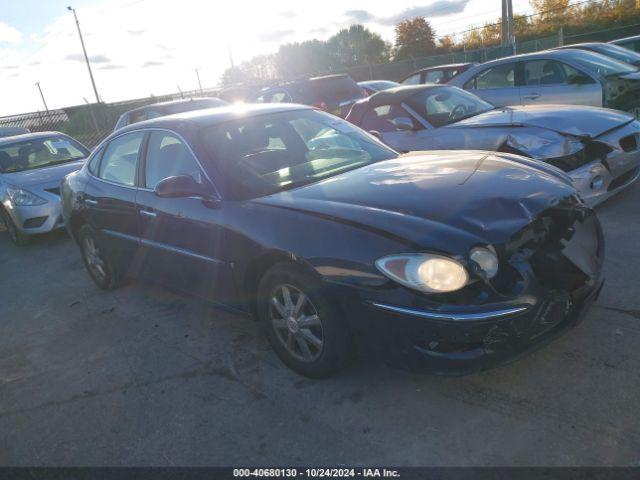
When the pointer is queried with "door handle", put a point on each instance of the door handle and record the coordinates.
(532, 96)
(88, 201)
(148, 213)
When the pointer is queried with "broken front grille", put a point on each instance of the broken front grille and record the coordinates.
(592, 151)
(562, 246)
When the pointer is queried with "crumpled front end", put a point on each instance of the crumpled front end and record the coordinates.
(599, 167)
(612, 163)
(550, 272)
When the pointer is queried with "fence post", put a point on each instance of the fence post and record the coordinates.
(560, 36)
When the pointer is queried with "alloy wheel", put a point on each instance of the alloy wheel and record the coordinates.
(296, 323)
(94, 258)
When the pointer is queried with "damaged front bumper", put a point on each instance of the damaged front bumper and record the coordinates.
(546, 287)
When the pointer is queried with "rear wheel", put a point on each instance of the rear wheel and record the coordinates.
(304, 329)
(16, 236)
(98, 265)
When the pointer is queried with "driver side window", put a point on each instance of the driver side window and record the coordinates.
(168, 156)
(384, 118)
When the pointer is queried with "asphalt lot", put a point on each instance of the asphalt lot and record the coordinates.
(140, 376)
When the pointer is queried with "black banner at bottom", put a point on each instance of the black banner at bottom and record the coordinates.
(405, 473)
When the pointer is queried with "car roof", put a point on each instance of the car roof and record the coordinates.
(171, 102)
(28, 136)
(373, 82)
(560, 53)
(213, 116)
(626, 39)
(399, 94)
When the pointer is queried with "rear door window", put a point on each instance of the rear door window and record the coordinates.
(435, 76)
(412, 80)
(500, 76)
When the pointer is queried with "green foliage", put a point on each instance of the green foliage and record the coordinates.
(414, 38)
(349, 47)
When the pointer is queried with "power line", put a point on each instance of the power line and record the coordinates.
(453, 33)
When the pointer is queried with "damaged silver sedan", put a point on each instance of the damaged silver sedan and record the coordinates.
(598, 148)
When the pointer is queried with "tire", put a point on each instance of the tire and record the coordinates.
(318, 320)
(17, 237)
(99, 267)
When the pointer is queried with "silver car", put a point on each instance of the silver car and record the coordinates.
(32, 167)
(598, 148)
(631, 43)
(568, 76)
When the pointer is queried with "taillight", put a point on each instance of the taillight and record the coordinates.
(322, 106)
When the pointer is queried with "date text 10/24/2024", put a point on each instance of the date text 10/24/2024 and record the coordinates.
(315, 473)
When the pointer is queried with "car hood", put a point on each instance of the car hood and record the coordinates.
(52, 175)
(447, 201)
(568, 119)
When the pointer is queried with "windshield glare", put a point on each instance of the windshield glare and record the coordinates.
(38, 153)
(601, 64)
(266, 154)
(445, 105)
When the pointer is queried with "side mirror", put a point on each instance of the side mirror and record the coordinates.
(579, 80)
(404, 124)
(181, 186)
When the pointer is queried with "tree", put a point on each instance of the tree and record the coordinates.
(296, 59)
(549, 10)
(414, 38)
(357, 45)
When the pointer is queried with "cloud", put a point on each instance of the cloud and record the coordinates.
(9, 34)
(136, 32)
(439, 8)
(274, 36)
(359, 16)
(288, 14)
(111, 66)
(78, 57)
(152, 63)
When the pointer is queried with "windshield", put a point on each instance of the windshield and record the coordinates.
(38, 153)
(266, 154)
(444, 105)
(619, 53)
(600, 64)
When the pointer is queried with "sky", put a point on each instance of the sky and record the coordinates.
(142, 47)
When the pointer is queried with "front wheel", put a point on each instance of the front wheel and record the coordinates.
(303, 328)
(16, 236)
(99, 266)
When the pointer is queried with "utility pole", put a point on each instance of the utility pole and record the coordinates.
(230, 55)
(198, 75)
(508, 36)
(84, 50)
(512, 32)
(505, 24)
(42, 96)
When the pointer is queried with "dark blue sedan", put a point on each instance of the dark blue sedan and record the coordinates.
(440, 261)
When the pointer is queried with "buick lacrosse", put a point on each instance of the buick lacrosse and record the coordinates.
(441, 261)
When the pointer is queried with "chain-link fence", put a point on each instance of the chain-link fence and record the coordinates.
(91, 123)
(88, 124)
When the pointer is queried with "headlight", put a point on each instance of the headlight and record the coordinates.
(425, 272)
(23, 198)
(486, 259)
